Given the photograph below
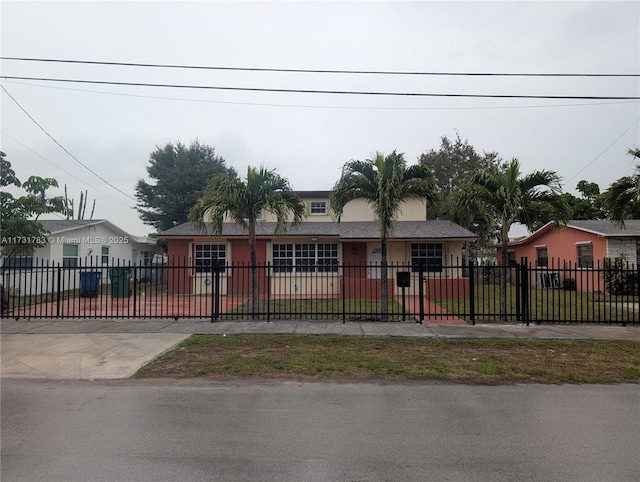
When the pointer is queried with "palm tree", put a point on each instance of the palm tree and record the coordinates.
(244, 201)
(622, 197)
(384, 182)
(506, 197)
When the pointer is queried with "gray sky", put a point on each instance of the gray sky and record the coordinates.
(308, 137)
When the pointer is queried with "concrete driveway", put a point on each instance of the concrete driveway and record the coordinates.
(83, 356)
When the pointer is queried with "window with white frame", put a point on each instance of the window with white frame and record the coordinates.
(585, 256)
(104, 255)
(69, 255)
(282, 258)
(305, 257)
(318, 207)
(327, 257)
(204, 254)
(429, 255)
(542, 258)
(147, 257)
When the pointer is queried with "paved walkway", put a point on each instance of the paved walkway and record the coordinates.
(95, 349)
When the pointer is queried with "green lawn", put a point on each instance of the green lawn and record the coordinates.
(305, 357)
(547, 305)
(317, 309)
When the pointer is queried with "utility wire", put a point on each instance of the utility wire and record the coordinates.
(311, 91)
(317, 71)
(306, 106)
(605, 150)
(61, 168)
(63, 148)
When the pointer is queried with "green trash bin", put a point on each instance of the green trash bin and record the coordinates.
(120, 282)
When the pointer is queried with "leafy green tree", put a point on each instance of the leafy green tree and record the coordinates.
(384, 182)
(622, 199)
(244, 201)
(507, 197)
(587, 206)
(454, 163)
(180, 175)
(20, 230)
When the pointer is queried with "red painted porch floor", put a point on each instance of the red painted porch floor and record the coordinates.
(175, 307)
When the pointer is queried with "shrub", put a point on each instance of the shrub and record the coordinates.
(619, 277)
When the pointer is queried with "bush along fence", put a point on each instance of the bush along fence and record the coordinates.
(606, 293)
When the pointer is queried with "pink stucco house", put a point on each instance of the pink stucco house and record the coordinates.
(576, 250)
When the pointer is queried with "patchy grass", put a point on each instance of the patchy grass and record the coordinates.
(545, 305)
(316, 358)
(317, 309)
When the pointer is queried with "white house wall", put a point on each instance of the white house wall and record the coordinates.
(123, 249)
(305, 284)
(360, 210)
(42, 279)
(90, 240)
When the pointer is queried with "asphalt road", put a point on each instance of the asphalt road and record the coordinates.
(195, 431)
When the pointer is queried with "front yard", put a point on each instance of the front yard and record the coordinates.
(316, 358)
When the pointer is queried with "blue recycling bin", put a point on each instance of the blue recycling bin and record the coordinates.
(89, 283)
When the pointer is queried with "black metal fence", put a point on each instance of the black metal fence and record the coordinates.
(450, 292)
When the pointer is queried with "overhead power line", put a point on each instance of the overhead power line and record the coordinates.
(324, 106)
(61, 168)
(605, 150)
(313, 91)
(317, 71)
(63, 148)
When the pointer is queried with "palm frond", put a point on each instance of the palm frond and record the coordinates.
(620, 195)
(243, 200)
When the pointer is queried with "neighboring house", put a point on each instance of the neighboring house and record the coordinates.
(73, 243)
(319, 246)
(94, 242)
(579, 246)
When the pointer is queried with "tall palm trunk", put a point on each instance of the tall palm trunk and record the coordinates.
(254, 268)
(384, 303)
(504, 270)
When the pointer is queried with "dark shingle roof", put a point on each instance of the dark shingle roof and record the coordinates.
(311, 194)
(59, 225)
(344, 230)
(608, 228)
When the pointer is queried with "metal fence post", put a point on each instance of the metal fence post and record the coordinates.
(634, 319)
(344, 303)
(524, 290)
(58, 291)
(135, 288)
(216, 283)
(269, 292)
(421, 290)
(472, 294)
(215, 291)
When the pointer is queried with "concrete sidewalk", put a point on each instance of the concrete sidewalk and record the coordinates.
(103, 349)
